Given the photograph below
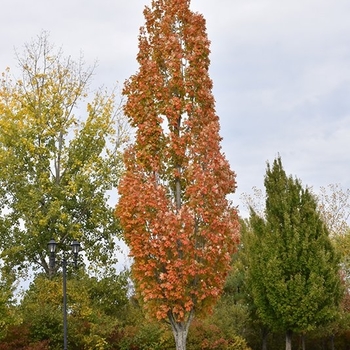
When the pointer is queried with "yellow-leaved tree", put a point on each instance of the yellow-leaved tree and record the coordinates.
(58, 159)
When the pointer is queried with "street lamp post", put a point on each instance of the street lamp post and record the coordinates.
(52, 249)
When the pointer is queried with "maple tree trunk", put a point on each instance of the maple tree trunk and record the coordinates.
(289, 340)
(180, 339)
(180, 330)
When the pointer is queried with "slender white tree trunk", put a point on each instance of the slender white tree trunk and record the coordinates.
(303, 342)
(289, 340)
(180, 330)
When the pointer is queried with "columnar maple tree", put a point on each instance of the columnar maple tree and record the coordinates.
(177, 220)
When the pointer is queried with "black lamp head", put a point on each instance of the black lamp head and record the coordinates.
(52, 246)
(75, 247)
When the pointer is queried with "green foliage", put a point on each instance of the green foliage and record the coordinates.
(231, 317)
(207, 335)
(8, 316)
(109, 293)
(55, 167)
(150, 335)
(94, 306)
(231, 313)
(292, 268)
(18, 338)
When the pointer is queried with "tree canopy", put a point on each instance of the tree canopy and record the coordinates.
(57, 159)
(293, 269)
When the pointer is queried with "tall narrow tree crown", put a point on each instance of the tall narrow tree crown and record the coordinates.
(179, 225)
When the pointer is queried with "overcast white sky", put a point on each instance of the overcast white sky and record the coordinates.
(281, 72)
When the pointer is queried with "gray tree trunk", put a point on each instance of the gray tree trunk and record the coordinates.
(289, 340)
(265, 334)
(180, 330)
(332, 342)
(303, 342)
(180, 336)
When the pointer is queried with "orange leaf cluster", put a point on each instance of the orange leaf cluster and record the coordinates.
(180, 227)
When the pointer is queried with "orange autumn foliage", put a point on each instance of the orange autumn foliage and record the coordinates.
(180, 227)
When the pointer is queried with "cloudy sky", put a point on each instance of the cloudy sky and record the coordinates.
(281, 72)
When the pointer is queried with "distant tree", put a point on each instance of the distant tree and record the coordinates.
(334, 205)
(231, 313)
(181, 229)
(292, 269)
(56, 167)
(333, 202)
